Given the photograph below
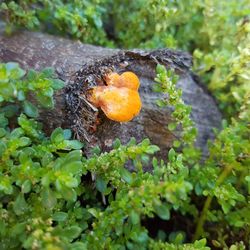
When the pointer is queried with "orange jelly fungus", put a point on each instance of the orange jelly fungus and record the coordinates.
(127, 79)
(112, 79)
(120, 100)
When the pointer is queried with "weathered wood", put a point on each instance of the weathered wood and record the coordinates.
(36, 50)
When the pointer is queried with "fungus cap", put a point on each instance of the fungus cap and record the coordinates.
(118, 104)
(119, 100)
(129, 80)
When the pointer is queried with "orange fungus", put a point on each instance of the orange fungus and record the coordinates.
(129, 80)
(120, 100)
(112, 78)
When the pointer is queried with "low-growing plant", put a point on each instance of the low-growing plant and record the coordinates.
(49, 198)
(166, 84)
(50, 201)
(83, 20)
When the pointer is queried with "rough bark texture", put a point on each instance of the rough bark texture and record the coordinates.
(82, 65)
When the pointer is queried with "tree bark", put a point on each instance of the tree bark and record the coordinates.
(82, 66)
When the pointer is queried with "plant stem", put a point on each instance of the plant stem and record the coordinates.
(199, 228)
(202, 219)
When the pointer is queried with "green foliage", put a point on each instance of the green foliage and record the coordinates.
(165, 83)
(224, 179)
(48, 198)
(14, 89)
(49, 202)
(78, 19)
(201, 245)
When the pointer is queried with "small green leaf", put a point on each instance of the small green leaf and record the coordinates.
(152, 149)
(4, 6)
(126, 175)
(93, 212)
(142, 237)
(21, 95)
(74, 155)
(48, 92)
(74, 167)
(46, 159)
(132, 141)
(69, 194)
(3, 120)
(70, 181)
(216, 243)
(162, 211)
(74, 144)
(29, 109)
(15, 72)
(176, 143)
(79, 246)
(172, 126)
(48, 198)
(18, 229)
(57, 135)
(101, 185)
(67, 134)
(72, 232)
(48, 72)
(160, 69)
(57, 84)
(45, 101)
(20, 206)
(96, 150)
(17, 133)
(10, 110)
(31, 75)
(24, 141)
(177, 237)
(60, 216)
(171, 154)
(26, 186)
(116, 143)
(2, 132)
(135, 218)
(200, 243)
(5, 183)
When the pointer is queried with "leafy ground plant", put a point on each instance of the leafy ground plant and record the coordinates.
(49, 201)
(76, 19)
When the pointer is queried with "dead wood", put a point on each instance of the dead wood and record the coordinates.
(82, 66)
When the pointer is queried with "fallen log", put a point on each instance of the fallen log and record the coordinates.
(82, 66)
